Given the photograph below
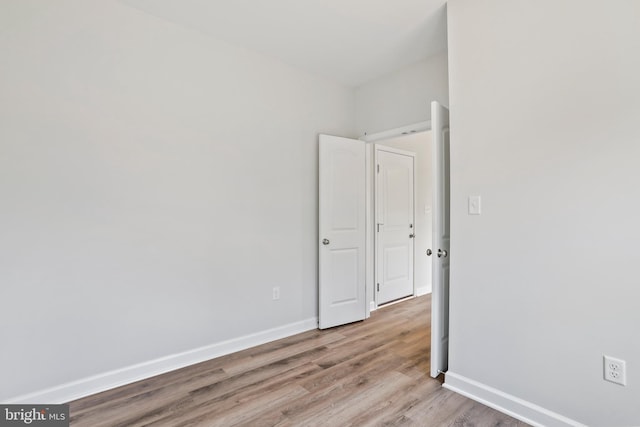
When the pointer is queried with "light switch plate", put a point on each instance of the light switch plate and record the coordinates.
(475, 207)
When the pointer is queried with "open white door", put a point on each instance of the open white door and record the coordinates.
(342, 210)
(441, 237)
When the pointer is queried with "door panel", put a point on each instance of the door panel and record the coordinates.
(395, 217)
(344, 276)
(341, 273)
(396, 263)
(344, 190)
(441, 238)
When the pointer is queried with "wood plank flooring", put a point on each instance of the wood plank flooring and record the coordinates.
(371, 373)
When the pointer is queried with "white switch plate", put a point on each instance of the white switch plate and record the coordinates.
(475, 207)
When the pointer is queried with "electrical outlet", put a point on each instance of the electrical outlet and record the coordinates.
(276, 292)
(615, 370)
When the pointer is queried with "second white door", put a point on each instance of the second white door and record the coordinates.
(395, 226)
(342, 239)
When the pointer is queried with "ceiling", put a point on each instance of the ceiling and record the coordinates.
(348, 41)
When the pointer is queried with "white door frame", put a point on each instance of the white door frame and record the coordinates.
(370, 250)
(405, 130)
(376, 149)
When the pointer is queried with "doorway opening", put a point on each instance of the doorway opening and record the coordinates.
(436, 255)
(402, 217)
(347, 285)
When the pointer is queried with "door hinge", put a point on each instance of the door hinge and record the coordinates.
(378, 168)
(378, 287)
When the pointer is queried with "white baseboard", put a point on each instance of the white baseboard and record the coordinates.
(423, 290)
(119, 377)
(518, 408)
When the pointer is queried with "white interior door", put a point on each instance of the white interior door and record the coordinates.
(395, 223)
(342, 231)
(440, 295)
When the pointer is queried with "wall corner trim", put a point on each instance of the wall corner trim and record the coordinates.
(98, 383)
(513, 406)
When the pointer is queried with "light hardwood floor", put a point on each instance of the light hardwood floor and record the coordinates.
(370, 373)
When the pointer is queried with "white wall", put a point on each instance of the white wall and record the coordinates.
(420, 143)
(155, 184)
(402, 98)
(545, 101)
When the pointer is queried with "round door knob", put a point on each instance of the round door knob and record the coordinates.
(442, 253)
(325, 241)
(429, 252)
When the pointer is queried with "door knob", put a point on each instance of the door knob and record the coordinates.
(429, 252)
(442, 253)
(325, 241)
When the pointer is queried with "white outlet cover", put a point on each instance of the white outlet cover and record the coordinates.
(615, 370)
